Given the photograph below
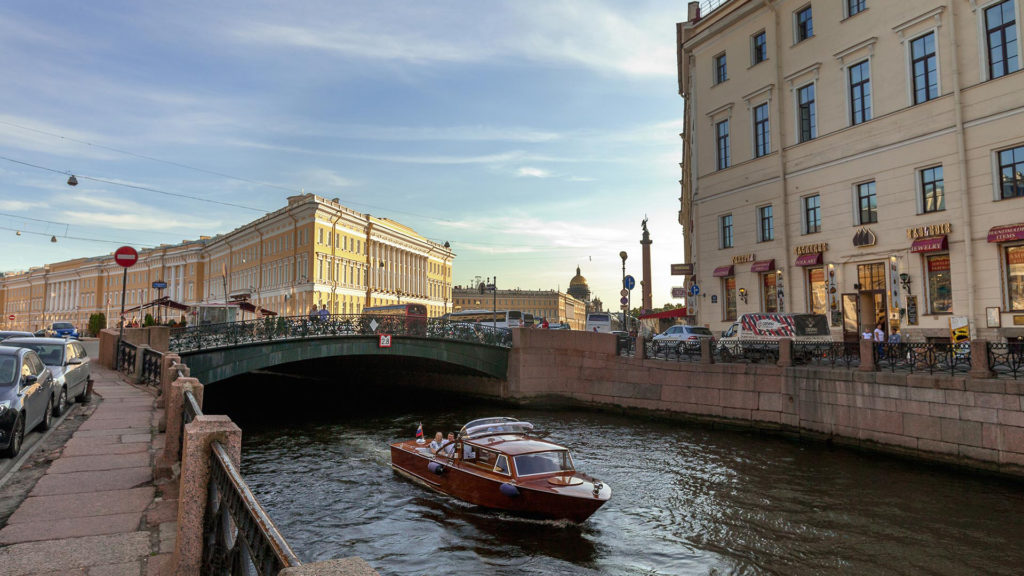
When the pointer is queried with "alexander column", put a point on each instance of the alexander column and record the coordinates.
(645, 286)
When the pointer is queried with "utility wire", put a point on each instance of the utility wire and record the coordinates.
(75, 237)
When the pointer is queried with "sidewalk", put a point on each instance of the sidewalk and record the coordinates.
(97, 510)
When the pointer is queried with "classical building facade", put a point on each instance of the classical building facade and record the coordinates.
(862, 159)
(312, 252)
(555, 306)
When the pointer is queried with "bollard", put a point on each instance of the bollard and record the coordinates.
(979, 360)
(353, 566)
(785, 353)
(867, 355)
(195, 484)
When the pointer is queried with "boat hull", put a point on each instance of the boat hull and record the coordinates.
(570, 497)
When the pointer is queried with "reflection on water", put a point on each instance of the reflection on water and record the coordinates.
(685, 500)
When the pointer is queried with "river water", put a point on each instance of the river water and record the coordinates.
(685, 500)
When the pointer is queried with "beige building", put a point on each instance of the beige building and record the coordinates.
(312, 252)
(858, 158)
(555, 306)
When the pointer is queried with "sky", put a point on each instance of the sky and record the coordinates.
(534, 136)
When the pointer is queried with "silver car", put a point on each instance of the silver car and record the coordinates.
(681, 335)
(26, 397)
(67, 361)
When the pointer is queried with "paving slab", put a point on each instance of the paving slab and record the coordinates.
(141, 424)
(50, 529)
(114, 432)
(125, 569)
(92, 481)
(38, 508)
(101, 462)
(115, 447)
(65, 555)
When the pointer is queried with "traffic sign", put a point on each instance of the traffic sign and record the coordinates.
(126, 256)
(159, 285)
(623, 301)
(694, 290)
(11, 317)
(623, 292)
(628, 282)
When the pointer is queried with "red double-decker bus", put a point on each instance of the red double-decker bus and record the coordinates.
(415, 315)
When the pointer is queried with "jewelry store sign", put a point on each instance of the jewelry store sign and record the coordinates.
(811, 248)
(929, 230)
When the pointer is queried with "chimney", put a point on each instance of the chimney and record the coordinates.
(693, 11)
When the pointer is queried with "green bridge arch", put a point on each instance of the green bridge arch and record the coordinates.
(213, 365)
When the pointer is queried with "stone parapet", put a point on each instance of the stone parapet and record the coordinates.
(341, 567)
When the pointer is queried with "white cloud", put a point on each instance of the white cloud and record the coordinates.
(533, 172)
(18, 205)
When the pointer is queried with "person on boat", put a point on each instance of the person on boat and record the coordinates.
(436, 443)
(449, 446)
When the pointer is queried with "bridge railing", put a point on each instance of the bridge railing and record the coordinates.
(208, 336)
(126, 353)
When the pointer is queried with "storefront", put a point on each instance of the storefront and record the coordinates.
(814, 277)
(1010, 319)
(728, 279)
(768, 280)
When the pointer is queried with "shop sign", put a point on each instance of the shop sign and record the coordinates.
(863, 238)
(912, 310)
(811, 248)
(1006, 233)
(1018, 320)
(678, 292)
(742, 258)
(681, 269)
(929, 230)
(959, 329)
(938, 264)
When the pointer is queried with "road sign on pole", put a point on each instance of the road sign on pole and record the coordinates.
(628, 282)
(11, 317)
(694, 290)
(623, 300)
(126, 256)
(159, 285)
(623, 292)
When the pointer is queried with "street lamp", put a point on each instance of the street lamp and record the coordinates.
(625, 307)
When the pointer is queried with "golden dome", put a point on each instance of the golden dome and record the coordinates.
(578, 279)
(578, 287)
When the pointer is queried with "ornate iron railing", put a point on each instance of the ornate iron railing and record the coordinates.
(1006, 359)
(678, 351)
(195, 338)
(126, 357)
(923, 357)
(752, 351)
(237, 532)
(832, 354)
(152, 364)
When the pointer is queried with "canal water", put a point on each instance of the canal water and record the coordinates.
(685, 499)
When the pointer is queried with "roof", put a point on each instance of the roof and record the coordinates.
(514, 444)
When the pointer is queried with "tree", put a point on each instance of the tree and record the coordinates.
(97, 322)
(148, 320)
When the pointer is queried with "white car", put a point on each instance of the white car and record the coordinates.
(690, 336)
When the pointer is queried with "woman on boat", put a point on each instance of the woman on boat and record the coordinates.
(435, 444)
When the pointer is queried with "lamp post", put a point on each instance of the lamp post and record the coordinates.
(625, 307)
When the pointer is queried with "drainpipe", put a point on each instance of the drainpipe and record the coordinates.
(961, 151)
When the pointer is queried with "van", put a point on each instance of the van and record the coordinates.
(763, 327)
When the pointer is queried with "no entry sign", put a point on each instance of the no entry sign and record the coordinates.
(126, 256)
(11, 317)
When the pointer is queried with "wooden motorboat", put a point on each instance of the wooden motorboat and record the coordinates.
(496, 463)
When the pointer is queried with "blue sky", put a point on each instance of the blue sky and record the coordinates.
(532, 135)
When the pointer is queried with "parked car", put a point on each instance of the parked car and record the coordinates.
(680, 335)
(26, 397)
(62, 330)
(67, 361)
(5, 334)
(758, 330)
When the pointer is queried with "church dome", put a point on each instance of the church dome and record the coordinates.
(578, 288)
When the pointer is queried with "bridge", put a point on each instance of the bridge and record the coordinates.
(219, 351)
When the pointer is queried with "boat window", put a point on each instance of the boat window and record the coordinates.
(484, 457)
(501, 466)
(543, 462)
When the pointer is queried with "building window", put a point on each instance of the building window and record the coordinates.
(1015, 277)
(871, 276)
(923, 67)
(767, 221)
(806, 113)
(1001, 39)
(804, 24)
(854, 7)
(729, 300)
(940, 288)
(721, 73)
(1011, 172)
(770, 296)
(726, 230)
(812, 214)
(867, 203)
(933, 198)
(817, 294)
(762, 131)
(758, 48)
(860, 93)
(722, 139)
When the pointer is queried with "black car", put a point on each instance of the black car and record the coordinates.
(26, 397)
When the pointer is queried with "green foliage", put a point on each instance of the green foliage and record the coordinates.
(97, 322)
(148, 320)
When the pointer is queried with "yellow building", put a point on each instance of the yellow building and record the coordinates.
(862, 159)
(555, 306)
(312, 252)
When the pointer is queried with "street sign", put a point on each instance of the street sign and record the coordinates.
(678, 292)
(623, 301)
(126, 256)
(628, 282)
(159, 285)
(694, 290)
(385, 341)
(11, 317)
(682, 269)
(623, 292)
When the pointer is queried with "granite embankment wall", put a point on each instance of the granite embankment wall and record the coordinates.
(973, 422)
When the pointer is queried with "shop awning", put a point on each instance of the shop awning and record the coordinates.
(675, 313)
(248, 307)
(763, 266)
(723, 271)
(931, 244)
(1006, 233)
(812, 259)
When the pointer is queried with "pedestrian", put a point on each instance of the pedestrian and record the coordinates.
(866, 334)
(324, 313)
(879, 338)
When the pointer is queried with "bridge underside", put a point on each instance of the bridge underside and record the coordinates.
(211, 366)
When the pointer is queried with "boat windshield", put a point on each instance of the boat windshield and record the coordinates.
(543, 463)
